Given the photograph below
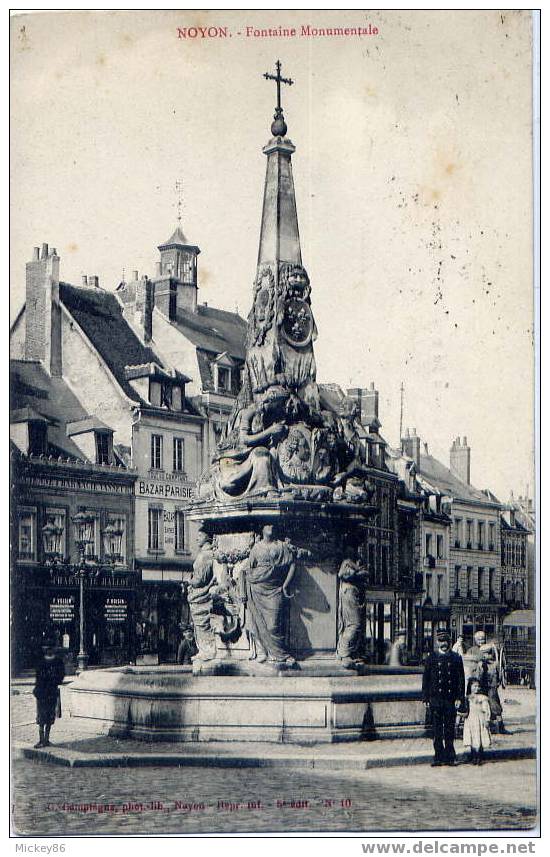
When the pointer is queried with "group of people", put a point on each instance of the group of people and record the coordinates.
(449, 691)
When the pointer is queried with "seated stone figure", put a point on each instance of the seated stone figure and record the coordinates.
(247, 469)
(352, 484)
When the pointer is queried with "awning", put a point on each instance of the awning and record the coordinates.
(520, 619)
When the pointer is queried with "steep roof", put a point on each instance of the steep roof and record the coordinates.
(443, 479)
(177, 239)
(99, 314)
(214, 330)
(31, 387)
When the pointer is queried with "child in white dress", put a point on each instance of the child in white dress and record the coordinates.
(476, 736)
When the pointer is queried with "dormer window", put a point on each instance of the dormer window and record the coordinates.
(166, 395)
(155, 393)
(177, 398)
(104, 447)
(224, 379)
(37, 437)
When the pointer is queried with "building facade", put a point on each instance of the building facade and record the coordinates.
(101, 344)
(62, 463)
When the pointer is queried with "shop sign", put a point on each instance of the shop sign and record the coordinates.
(167, 489)
(62, 609)
(116, 610)
(72, 484)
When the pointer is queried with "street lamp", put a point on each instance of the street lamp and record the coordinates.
(52, 542)
(84, 524)
(112, 535)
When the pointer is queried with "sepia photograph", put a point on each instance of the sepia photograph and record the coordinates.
(273, 471)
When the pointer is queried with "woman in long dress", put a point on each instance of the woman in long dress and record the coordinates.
(270, 570)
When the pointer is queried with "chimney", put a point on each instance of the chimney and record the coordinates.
(85, 281)
(367, 404)
(460, 460)
(43, 311)
(145, 300)
(93, 281)
(410, 446)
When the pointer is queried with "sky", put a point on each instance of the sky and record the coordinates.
(412, 174)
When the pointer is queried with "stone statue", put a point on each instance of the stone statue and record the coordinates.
(248, 467)
(352, 483)
(199, 597)
(267, 579)
(351, 608)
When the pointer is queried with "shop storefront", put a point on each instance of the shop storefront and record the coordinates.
(49, 496)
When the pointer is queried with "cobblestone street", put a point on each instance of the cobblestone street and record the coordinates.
(500, 795)
(57, 800)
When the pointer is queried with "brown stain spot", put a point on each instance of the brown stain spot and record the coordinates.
(72, 247)
(23, 39)
(101, 59)
(127, 39)
(435, 194)
(205, 277)
(450, 168)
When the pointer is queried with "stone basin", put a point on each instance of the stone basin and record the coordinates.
(169, 703)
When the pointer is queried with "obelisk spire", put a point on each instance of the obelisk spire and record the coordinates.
(279, 236)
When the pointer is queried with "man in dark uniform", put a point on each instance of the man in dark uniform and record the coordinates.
(443, 692)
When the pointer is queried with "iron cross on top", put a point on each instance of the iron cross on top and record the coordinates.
(278, 79)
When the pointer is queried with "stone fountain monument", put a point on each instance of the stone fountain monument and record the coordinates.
(276, 594)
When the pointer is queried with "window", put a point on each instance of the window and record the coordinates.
(439, 540)
(187, 267)
(37, 437)
(481, 582)
(481, 535)
(103, 447)
(58, 517)
(117, 543)
(439, 584)
(180, 530)
(457, 581)
(491, 537)
(156, 528)
(166, 395)
(428, 587)
(27, 534)
(91, 550)
(469, 534)
(468, 581)
(155, 393)
(179, 454)
(385, 565)
(177, 398)
(458, 532)
(428, 544)
(372, 560)
(224, 379)
(491, 583)
(156, 452)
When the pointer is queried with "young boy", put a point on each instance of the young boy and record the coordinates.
(50, 673)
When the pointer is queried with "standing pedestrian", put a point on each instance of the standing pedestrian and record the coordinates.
(476, 737)
(50, 673)
(187, 648)
(490, 679)
(443, 693)
(459, 646)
